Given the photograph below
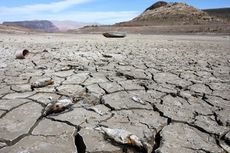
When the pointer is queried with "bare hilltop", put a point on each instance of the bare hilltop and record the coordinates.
(163, 17)
(163, 13)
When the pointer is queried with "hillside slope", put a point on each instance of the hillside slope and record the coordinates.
(39, 25)
(69, 25)
(163, 13)
(223, 13)
(14, 29)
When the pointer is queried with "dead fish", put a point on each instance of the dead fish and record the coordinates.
(121, 136)
(41, 83)
(125, 137)
(138, 100)
(66, 68)
(94, 109)
(57, 106)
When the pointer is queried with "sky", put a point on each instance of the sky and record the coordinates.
(89, 11)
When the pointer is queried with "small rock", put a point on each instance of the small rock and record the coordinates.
(42, 67)
(107, 56)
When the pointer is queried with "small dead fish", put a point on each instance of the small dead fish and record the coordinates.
(125, 137)
(121, 136)
(41, 83)
(66, 68)
(57, 106)
(95, 110)
(138, 100)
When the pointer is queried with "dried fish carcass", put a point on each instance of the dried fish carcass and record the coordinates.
(121, 136)
(138, 100)
(57, 106)
(42, 83)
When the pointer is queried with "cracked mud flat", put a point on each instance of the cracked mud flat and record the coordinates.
(183, 83)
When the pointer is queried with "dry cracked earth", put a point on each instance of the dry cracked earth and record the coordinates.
(183, 82)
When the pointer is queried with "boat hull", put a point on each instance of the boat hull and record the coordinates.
(114, 35)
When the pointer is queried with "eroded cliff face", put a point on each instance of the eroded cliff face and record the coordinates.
(39, 25)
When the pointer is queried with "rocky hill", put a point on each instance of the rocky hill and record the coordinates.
(14, 29)
(38, 25)
(67, 25)
(223, 13)
(163, 13)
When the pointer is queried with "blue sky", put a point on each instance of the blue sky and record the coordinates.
(100, 11)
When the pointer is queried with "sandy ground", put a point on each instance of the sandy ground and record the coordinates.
(171, 91)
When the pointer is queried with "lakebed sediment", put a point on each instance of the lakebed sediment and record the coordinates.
(182, 81)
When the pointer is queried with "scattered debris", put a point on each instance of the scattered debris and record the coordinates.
(57, 106)
(54, 48)
(125, 137)
(42, 83)
(22, 54)
(42, 67)
(35, 64)
(74, 67)
(107, 56)
(138, 100)
(45, 50)
(127, 76)
(66, 68)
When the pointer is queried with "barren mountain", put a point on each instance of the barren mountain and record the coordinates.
(38, 25)
(13, 29)
(69, 25)
(163, 13)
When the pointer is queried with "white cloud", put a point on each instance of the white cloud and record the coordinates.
(99, 17)
(59, 11)
(50, 7)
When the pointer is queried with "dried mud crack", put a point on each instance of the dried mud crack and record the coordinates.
(139, 94)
